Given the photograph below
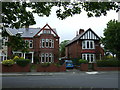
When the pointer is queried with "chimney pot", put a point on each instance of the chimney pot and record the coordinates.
(81, 31)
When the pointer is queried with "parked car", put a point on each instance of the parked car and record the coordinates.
(69, 64)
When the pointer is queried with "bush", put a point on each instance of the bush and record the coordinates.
(82, 61)
(15, 58)
(108, 63)
(8, 62)
(45, 64)
(22, 62)
(57, 64)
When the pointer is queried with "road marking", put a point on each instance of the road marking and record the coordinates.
(92, 72)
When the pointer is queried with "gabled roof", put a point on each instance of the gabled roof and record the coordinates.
(48, 27)
(28, 32)
(80, 35)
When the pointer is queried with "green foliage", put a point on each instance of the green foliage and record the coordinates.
(45, 64)
(22, 62)
(57, 64)
(17, 43)
(62, 47)
(108, 63)
(75, 61)
(16, 14)
(8, 62)
(111, 41)
(82, 61)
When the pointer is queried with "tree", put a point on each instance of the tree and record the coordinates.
(62, 47)
(17, 43)
(16, 14)
(111, 40)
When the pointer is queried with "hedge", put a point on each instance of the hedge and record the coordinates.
(108, 63)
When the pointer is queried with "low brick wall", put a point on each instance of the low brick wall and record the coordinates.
(51, 68)
(105, 68)
(84, 67)
(15, 68)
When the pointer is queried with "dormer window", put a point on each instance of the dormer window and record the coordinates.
(46, 32)
(88, 44)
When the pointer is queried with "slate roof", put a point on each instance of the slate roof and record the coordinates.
(31, 32)
(75, 39)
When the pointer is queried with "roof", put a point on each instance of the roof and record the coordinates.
(79, 36)
(25, 32)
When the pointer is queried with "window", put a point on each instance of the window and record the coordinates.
(46, 43)
(88, 44)
(89, 57)
(42, 58)
(31, 44)
(52, 43)
(43, 43)
(46, 57)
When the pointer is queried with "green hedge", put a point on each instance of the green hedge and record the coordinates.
(45, 64)
(22, 62)
(108, 63)
(8, 62)
(82, 61)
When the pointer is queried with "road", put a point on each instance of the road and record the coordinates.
(64, 80)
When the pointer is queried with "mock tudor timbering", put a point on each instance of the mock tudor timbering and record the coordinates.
(43, 43)
(86, 45)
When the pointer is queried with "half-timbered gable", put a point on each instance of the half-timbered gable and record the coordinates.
(85, 46)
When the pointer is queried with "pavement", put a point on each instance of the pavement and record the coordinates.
(56, 73)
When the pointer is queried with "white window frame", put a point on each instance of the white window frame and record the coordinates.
(47, 41)
(85, 55)
(52, 43)
(84, 44)
(43, 41)
(30, 42)
(48, 57)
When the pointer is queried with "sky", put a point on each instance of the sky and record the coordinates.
(67, 28)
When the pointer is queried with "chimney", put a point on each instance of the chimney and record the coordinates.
(76, 33)
(81, 31)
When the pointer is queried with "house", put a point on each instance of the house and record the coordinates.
(3, 48)
(86, 45)
(43, 44)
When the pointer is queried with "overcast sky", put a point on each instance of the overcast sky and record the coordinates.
(67, 28)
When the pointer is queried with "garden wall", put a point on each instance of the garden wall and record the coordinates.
(105, 68)
(15, 68)
(51, 68)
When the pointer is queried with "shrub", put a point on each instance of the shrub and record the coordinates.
(57, 64)
(82, 61)
(22, 62)
(108, 63)
(45, 64)
(15, 58)
(8, 62)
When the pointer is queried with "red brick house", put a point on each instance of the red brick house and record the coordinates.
(43, 43)
(86, 45)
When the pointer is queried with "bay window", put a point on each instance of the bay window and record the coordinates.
(46, 43)
(89, 57)
(46, 57)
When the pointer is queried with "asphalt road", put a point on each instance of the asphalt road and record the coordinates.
(64, 80)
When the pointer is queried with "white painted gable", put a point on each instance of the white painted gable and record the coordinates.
(89, 35)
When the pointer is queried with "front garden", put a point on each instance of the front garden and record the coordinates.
(19, 64)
